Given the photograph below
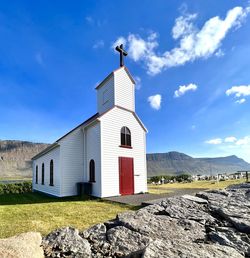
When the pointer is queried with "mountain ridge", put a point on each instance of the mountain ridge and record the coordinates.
(174, 162)
(15, 161)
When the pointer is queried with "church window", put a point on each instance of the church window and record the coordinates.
(92, 171)
(51, 173)
(36, 174)
(43, 174)
(125, 137)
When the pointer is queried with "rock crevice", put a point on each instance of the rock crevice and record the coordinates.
(213, 223)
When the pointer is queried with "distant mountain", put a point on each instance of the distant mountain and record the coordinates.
(176, 163)
(15, 161)
(15, 157)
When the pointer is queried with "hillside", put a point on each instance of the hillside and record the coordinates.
(15, 161)
(175, 162)
(15, 157)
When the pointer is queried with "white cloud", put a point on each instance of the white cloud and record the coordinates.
(118, 42)
(240, 101)
(185, 88)
(239, 91)
(137, 82)
(194, 43)
(98, 44)
(244, 141)
(183, 26)
(219, 53)
(214, 141)
(155, 101)
(230, 139)
(232, 146)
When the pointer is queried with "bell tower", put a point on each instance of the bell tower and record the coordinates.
(117, 89)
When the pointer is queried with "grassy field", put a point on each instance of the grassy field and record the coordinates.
(36, 212)
(193, 185)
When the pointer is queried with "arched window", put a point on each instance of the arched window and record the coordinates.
(51, 173)
(125, 136)
(92, 171)
(43, 174)
(36, 174)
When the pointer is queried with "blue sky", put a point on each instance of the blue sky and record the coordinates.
(190, 59)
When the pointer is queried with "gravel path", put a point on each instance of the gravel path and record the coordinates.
(147, 199)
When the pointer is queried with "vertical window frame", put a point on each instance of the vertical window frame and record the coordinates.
(36, 175)
(51, 172)
(43, 174)
(92, 171)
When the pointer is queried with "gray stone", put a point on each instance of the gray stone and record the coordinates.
(125, 241)
(25, 245)
(179, 249)
(231, 237)
(215, 223)
(162, 226)
(233, 207)
(66, 242)
(195, 199)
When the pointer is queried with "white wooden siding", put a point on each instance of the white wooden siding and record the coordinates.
(111, 124)
(93, 151)
(108, 89)
(71, 156)
(124, 90)
(46, 158)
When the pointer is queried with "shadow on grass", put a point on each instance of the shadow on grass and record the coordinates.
(31, 198)
(36, 197)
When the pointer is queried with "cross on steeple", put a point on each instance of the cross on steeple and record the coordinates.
(122, 53)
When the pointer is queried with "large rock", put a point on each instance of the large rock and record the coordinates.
(213, 224)
(231, 237)
(177, 249)
(66, 242)
(26, 245)
(125, 241)
(232, 206)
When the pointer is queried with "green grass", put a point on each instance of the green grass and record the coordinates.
(36, 212)
(16, 178)
(158, 190)
(196, 185)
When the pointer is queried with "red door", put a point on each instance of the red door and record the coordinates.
(126, 166)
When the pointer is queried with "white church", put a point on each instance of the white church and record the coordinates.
(103, 156)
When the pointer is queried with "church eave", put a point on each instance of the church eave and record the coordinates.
(56, 143)
(48, 149)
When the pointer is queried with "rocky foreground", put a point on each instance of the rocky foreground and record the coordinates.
(214, 223)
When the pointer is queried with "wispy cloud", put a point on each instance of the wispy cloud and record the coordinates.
(214, 141)
(39, 58)
(239, 92)
(194, 43)
(185, 88)
(243, 141)
(230, 139)
(155, 101)
(94, 22)
(98, 44)
(118, 42)
(137, 82)
(232, 145)
(240, 101)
